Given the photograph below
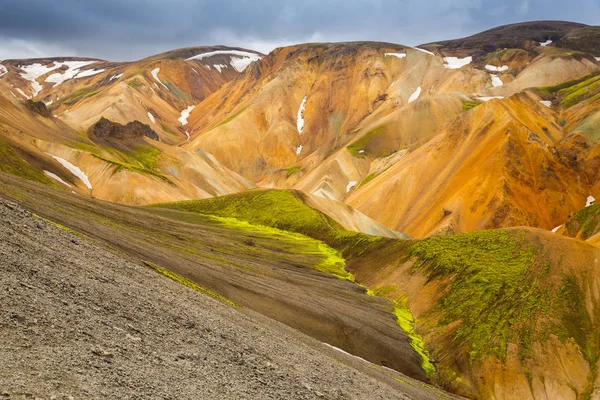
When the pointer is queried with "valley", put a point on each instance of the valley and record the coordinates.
(424, 217)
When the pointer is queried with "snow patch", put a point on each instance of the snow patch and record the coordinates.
(496, 81)
(300, 120)
(547, 103)
(14, 95)
(34, 71)
(74, 170)
(187, 134)
(74, 68)
(590, 201)
(496, 69)
(488, 98)
(457, 63)
(415, 95)
(299, 150)
(398, 55)
(556, 229)
(115, 77)
(151, 117)
(3, 70)
(239, 60)
(422, 50)
(597, 58)
(219, 67)
(185, 114)
(89, 72)
(57, 178)
(23, 94)
(154, 73)
(546, 43)
(361, 152)
(350, 185)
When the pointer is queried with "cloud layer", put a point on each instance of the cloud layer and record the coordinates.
(127, 30)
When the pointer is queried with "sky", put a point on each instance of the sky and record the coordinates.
(125, 30)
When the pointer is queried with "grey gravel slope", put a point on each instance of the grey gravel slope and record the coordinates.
(81, 321)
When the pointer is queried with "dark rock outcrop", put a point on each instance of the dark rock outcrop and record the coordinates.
(105, 128)
(38, 107)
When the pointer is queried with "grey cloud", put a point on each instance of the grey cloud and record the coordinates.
(131, 29)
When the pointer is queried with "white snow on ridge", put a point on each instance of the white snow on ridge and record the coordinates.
(34, 71)
(547, 103)
(154, 73)
(238, 60)
(422, 50)
(398, 55)
(74, 170)
(56, 178)
(115, 77)
(3, 70)
(488, 98)
(300, 120)
(415, 95)
(496, 81)
(546, 43)
(299, 149)
(350, 185)
(556, 229)
(151, 117)
(89, 72)
(23, 94)
(219, 67)
(74, 68)
(496, 69)
(457, 63)
(590, 201)
(185, 114)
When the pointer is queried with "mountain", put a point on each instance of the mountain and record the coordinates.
(427, 209)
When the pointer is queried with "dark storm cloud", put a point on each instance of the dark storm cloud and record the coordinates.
(130, 29)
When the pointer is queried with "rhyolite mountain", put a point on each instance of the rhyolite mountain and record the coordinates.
(472, 162)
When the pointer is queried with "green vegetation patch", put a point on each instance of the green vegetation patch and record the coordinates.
(467, 105)
(407, 322)
(586, 221)
(135, 83)
(80, 95)
(363, 142)
(494, 290)
(551, 90)
(13, 163)
(368, 179)
(230, 118)
(292, 170)
(579, 92)
(192, 285)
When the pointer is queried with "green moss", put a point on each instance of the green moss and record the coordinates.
(229, 119)
(292, 170)
(467, 105)
(80, 95)
(577, 324)
(406, 321)
(363, 142)
(192, 285)
(135, 83)
(368, 179)
(13, 163)
(576, 93)
(551, 90)
(585, 221)
(494, 291)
